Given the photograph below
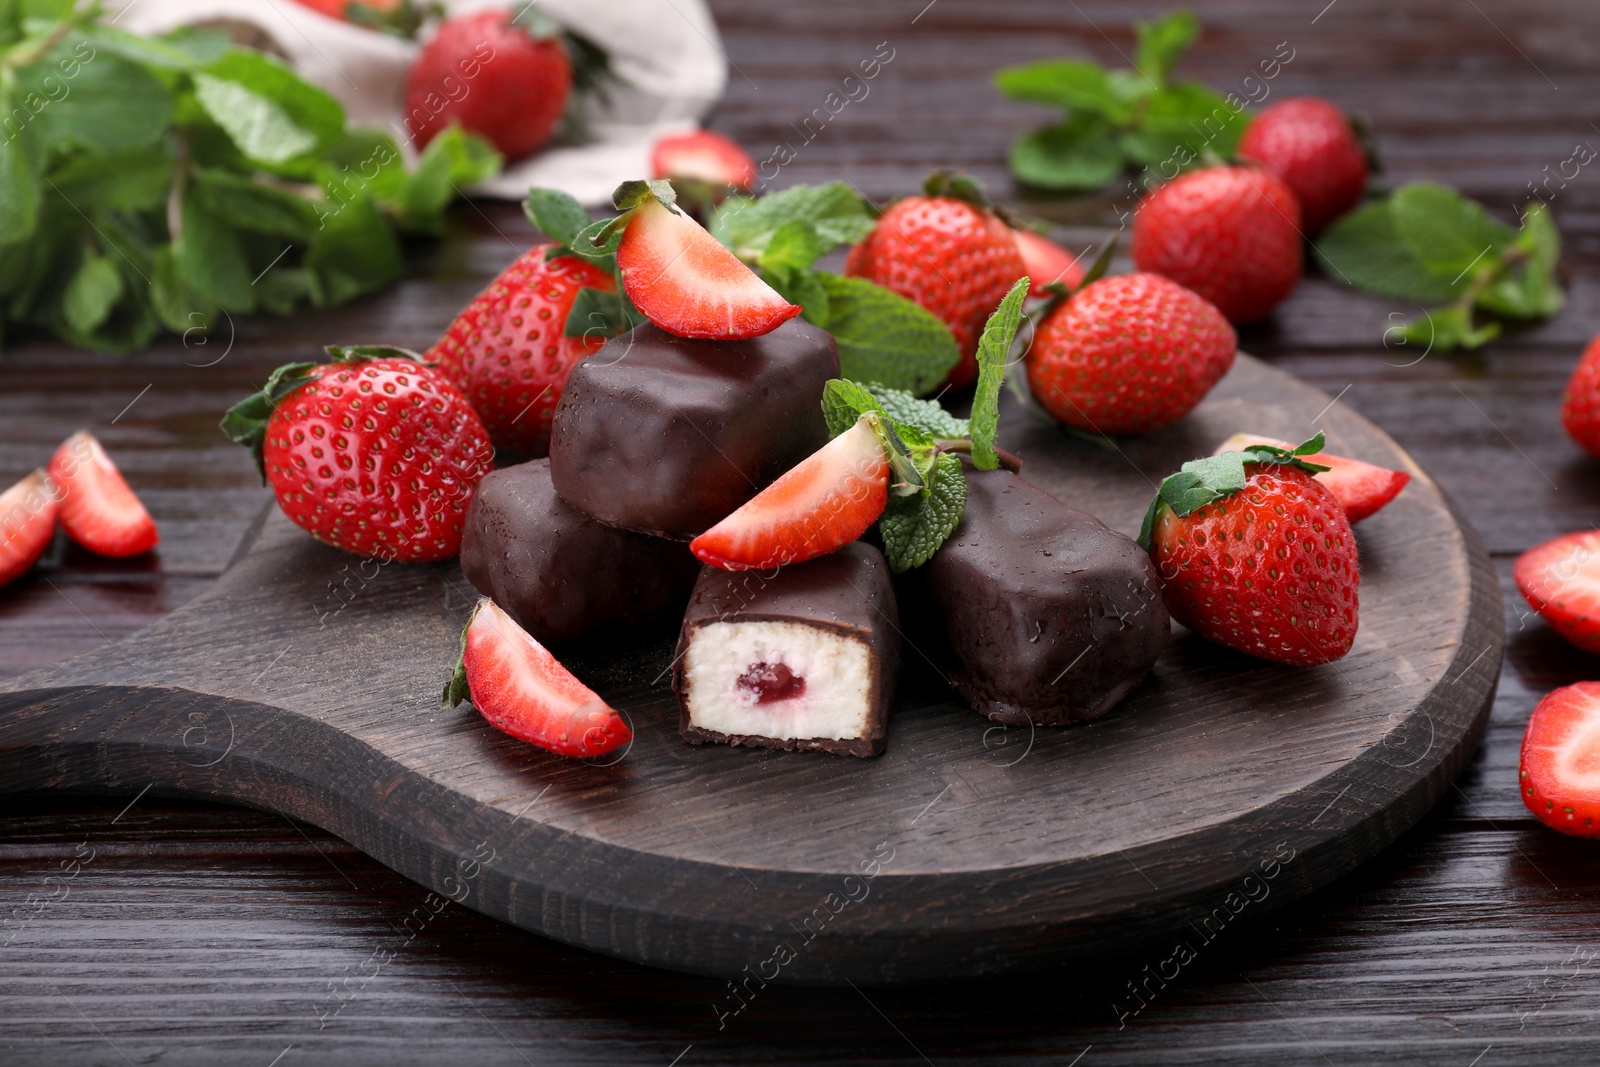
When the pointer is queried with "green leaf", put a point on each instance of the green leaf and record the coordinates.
(994, 355)
(1180, 123)
(249, 205)
(110, 104)
(1528, 288)
(835, 211)
(92, 293)
(1364, 249)
(1203, 481)
(355, 253)
(802, 286)
(1163, 42)
(211, 259)
(1082, 153)
(179, 307)
(1072, 84)
(929, 416)
(19, 191)
(453, 159)
(363, 160)
(914, 527)
(271, 115)
(246, 422)
(132, 180)
(794, 246)
(1451, 235)
(1444, 329)
(883, 337)
(843, 403)
(175, 53)
(596, 313)
(556, 214)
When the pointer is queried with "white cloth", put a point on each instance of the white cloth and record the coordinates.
(666, 52)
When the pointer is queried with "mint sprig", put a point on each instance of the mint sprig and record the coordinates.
(994, 355)
(1116, 119)
(1427, 243)
(1205, 481)
(913, 528)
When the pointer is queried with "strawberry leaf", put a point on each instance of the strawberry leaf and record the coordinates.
(456, 689)
(914, 527)
(1204, 481)
(360, 353)
(556, 213)
(631, 194)
(246, 422)
(994, 355)
(600, 313)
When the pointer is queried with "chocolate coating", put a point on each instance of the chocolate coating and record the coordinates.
(558, 572)
(1051, 616)
(848, 591)
(668, 435)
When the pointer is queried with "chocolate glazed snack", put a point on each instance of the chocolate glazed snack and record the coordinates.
(668, 435)
(801, 658)
(558, 572)
(1051, 616)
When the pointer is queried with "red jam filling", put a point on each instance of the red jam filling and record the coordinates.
(771, 682)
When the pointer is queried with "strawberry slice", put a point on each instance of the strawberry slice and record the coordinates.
(688, 284)
(822, 504)
(522, 689)
(1560, 772)
(1047, 262)
(701, 155)
(98, 510)
(27, 523)
(1362, 488)
(1560, 580)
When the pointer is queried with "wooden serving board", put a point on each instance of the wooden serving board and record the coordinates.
(307, 682)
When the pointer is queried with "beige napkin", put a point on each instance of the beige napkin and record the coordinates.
(667, 53)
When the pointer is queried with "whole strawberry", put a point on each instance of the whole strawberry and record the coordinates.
(948, 252)
(1580, 406)
(1232, 234)
(1128, 354)
(509, 351)
(1257, 555)
(1311, 145)
(372, 453)
(501, 73)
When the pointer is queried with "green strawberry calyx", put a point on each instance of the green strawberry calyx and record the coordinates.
(1205, 481)
(456, 689)
(959, 186)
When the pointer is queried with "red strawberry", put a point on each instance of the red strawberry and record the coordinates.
(950, 254)
(98, 510)
(1362, 488)
(1232, 234)
(1046, 262)
(1128, 354)
(1311, 145)
(1560, 580)
(495, 76)
(704, 156)
(822, 504)
(687, 283)
(517, 685)
(373, 453)
(509, 352)
(1580, 407)
(27, 524)
(1269, 569)
(362, 11)
(1560, 767)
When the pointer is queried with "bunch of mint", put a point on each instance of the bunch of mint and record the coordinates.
(1428, 244)
(922, 439)
(1121, 118)
(163, 181)
(882, 336)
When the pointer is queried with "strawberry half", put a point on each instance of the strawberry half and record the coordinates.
(683, 279)
(1560, 768)
(1560, 580)
(703, 156)
(522, 689)
(1046, 263)
(1363, 488)
(98, 510)
(27, 523)
(822, 504)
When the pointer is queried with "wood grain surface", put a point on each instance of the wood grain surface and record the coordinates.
(202, 934)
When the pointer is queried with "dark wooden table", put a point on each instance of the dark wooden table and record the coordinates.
(201, 934)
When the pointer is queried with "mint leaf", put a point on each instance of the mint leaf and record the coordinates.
(1528, 289)
(883, 337)
(111, 104)
(793, 246)
(843, 404)
(1445, 329)
(906, 409)
(994, 355)
(1452, 236)
(355, 253)
(453, 159)
(556, 213)
(133, 180)
(914, 527)
(1364, 249)
(1082, 153)
(270, 114)
(249, 205)
(1182, 121)
(1163, 42)
(92, 293)
(19, 191)
(835, 211)
(1071, 84)
(211, 259)
(804, 287)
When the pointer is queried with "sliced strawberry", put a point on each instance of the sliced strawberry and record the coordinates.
(1560, 579)
(822, 504)
(688, 284)
(1362, 488)
(1047, 262)
(1560, 772)
(27, 522)
(701, 155)
(98, 510)
(522, 689)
